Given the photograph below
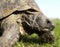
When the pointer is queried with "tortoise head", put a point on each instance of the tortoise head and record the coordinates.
(38, 21)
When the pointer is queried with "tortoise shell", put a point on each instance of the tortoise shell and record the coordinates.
(9, 6)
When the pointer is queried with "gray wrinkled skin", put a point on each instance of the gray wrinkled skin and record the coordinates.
(22, 17)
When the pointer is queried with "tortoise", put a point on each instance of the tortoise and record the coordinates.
(22, 17)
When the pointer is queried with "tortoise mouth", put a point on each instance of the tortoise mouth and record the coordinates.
(51, 28)
(48, 29)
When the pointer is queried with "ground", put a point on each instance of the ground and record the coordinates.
(33, 40)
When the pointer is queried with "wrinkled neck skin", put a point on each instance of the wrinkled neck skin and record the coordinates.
(31, 20)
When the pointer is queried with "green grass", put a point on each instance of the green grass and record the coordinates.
(33, 40)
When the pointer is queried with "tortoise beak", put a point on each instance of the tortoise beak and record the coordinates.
(50, 26)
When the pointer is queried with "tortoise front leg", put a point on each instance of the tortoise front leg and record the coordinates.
(11, 34)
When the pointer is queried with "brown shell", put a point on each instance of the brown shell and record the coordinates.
(9, 6)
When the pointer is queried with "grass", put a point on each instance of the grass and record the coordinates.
(57, 33)
(33, 40)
